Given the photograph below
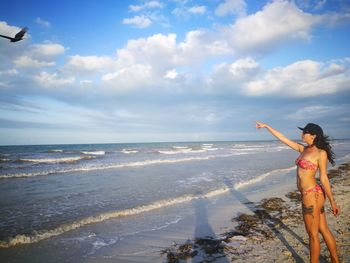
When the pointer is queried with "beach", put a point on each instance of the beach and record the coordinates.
(273, 231)
(163, 202)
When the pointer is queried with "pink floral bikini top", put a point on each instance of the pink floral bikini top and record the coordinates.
(305, 164)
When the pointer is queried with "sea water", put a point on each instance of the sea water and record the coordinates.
(95, 195)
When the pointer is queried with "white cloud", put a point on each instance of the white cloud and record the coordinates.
(137, 76)
(28, 62)
(232, 76)
(157, 51)
(171, 74)
(46, 79)
(311, 4)
(138, 21)
(47, 50)
(185, 12)
(236, 7)
(191, 50)
(335, 19)
(305, 78)
(9, 72)
(147, 5)
(39, 56)
(88, 64)
(311, 112)
(158, 54)
(198, 10)
(86, 83)
(125, 114)
(200, 45)
(262, 31)
(43, 23)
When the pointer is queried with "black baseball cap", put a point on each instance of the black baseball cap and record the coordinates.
(312, 128)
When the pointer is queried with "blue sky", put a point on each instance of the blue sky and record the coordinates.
(177, 70)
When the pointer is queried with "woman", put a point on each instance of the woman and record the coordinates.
(313, 157)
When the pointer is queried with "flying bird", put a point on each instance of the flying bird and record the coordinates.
(19, 36)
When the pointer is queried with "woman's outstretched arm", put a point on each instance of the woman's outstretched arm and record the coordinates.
(292, 144)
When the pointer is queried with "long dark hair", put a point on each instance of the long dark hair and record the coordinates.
(323, 142)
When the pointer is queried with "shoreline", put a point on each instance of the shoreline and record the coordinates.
(261, 222)
(273, 231)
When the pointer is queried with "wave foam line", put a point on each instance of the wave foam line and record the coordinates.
(87, 169)
(95, 152)
(56, 160)
(45, 234)
(262, 177)
(129, 151)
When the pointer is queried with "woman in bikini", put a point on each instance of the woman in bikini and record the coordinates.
(314, 156)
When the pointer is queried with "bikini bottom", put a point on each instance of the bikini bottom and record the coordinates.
(315, 189)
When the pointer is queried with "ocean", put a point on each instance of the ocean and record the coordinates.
(92, 196)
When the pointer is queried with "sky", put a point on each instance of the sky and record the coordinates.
(178, 70)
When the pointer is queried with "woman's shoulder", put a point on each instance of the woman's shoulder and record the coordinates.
(322, 153)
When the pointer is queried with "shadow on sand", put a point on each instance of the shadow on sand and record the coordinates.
(207, 246)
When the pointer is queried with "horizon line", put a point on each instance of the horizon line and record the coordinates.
(199, 141)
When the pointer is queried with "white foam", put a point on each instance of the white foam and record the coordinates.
(262, 177)
(217, 192)
(198, 151)
(100, 243)
(55, 160)
(212, 149)
(175, 221)
(208, 147)
(176, 151)
(115, 166)
(181, 147)
(45, 234)
(129, 151)
(95, 152)
(246, 146)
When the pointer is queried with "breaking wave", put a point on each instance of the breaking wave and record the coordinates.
(37, 236)
(129, 151)
(262, 177)
(115, 166)
(56, 160)
(94, 152)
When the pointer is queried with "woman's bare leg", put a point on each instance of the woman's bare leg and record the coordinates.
(328, 238)
(312, 203)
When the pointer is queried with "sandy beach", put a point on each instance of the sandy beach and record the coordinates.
(272, 231)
